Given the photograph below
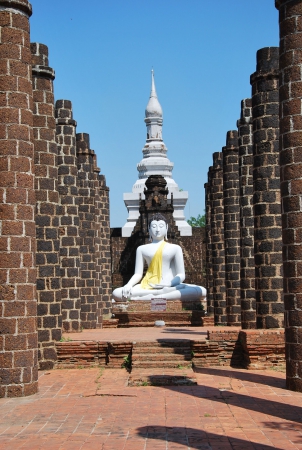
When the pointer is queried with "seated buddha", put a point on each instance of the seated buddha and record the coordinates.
(166, 271)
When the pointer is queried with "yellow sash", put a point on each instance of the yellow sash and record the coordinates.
(154, 271)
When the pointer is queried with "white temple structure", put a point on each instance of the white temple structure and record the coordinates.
(155, 162)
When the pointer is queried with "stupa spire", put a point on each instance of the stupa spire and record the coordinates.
(153, 108)
(155, 162)
(153, 90)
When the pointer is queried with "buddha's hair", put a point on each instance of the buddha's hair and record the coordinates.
(158, 217)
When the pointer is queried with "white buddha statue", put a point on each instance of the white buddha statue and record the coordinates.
(166, 271)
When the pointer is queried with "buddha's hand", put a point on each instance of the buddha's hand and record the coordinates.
(126, 292)
(159, 286)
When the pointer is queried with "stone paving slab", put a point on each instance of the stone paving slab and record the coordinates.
(144, 333)
(95, 409)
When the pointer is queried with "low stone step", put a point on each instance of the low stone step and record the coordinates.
(162, 377)
(110, 323)
(163, 350)
(161, 364)
(164, 343)
(160, 357)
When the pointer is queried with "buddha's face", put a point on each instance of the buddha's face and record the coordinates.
(158, 229)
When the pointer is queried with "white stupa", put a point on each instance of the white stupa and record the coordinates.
(155, 162)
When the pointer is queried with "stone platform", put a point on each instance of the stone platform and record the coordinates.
(145, 306)
(138, 313)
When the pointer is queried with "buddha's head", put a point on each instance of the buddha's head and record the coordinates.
(158, 228)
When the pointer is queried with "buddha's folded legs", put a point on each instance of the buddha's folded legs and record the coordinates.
(186, 292)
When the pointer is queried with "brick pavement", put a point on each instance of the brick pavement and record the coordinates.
(95, 409)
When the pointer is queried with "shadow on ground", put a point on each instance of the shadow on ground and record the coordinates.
(267, 380)
(198, 439)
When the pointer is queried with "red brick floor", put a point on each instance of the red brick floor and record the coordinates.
(95, 409)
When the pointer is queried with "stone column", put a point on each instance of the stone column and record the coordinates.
(247, 261)
(98, 245)
(267, 203)
(47, 208)
(103, 253)
(230, 155)
(217, 234)
(86, 192)
(208, 235)
(290, 94)
(18, 307)
(69, 216)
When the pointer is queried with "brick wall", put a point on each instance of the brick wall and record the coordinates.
(194, 251)
(249, 349)
(18, 308)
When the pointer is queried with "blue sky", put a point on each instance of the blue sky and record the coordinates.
(202, 52)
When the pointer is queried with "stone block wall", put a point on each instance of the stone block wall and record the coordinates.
(194, 251)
